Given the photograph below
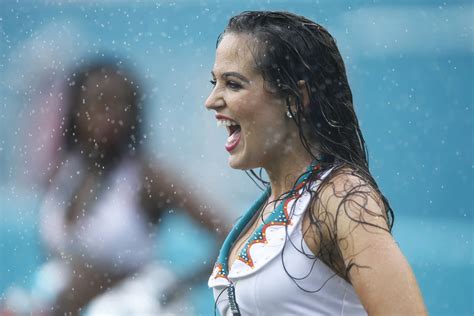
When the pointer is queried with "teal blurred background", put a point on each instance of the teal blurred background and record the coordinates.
(410, 65)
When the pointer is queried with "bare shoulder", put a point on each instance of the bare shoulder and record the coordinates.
(157, 174)
(346, 208)
(355, 216)
(348, 197)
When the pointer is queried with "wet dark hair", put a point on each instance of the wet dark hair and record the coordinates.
(288, 48)
(76, 84)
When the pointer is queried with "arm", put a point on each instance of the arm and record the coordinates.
(167, 189)
(164, 188)
(376, 267)
(85, 284)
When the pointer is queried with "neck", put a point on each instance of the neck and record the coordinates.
(100, 159)
(285, 171)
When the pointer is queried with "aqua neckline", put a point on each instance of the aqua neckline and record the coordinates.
(276, 217)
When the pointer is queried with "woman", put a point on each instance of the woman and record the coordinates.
(105, 198)
(318, 241)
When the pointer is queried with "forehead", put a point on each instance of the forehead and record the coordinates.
(234, 54)
(105, 83)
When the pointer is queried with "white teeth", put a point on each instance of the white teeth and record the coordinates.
(226, 123)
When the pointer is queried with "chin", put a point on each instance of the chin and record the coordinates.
(241, 162)
(236, 163)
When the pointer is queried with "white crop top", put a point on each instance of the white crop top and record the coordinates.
(114, 233)
(257, 283)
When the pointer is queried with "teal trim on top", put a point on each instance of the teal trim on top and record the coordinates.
(277, 215)
(223, 257)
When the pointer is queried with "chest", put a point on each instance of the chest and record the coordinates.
(79, 214)
(312, 238)
(294, 282)
(259, 219)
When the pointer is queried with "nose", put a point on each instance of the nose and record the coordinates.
(214, 100)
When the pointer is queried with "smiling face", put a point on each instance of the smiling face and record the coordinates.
(259, 131)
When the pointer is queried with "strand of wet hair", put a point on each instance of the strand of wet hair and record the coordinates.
(254, 177)
(216, 301)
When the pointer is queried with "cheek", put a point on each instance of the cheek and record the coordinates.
(271, 138)
(268, 130)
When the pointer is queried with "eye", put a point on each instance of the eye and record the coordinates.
(233, 85)
(213, 82)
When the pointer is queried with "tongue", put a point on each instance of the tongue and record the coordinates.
(233, 140)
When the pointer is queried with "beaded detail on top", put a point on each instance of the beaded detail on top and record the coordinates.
(279, 217)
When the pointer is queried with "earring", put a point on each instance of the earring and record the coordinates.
(288, 113)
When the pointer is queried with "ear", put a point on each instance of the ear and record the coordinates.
(304, 92)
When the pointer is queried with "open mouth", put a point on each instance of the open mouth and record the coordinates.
(233, 128)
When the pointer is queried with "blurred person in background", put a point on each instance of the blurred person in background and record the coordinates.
(105, 196)
(318, 241)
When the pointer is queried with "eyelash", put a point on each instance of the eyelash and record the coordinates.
(231, 84)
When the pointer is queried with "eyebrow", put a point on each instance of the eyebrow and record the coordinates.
(233, 74)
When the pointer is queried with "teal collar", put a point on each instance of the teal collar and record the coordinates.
(278, 216)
